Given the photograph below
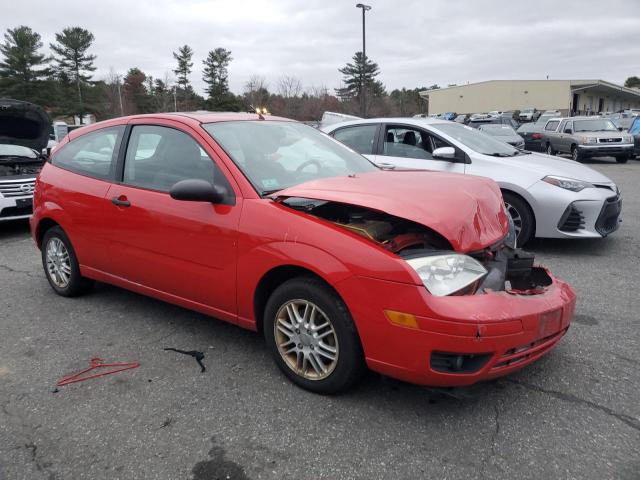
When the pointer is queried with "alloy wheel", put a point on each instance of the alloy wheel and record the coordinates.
(515, 216)
(58, 263)
(549, 149)
(306, 339)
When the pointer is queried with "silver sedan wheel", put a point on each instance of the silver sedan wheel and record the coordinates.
(515, 216)
(549, 149)
(58, 263)
(306, 339)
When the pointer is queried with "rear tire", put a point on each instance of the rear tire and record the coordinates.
(303, 351)
(550, 150)
(522, 217)
(61, 265)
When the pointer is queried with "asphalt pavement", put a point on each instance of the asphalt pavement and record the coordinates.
(573, 415)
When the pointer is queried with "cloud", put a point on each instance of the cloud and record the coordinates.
(415, 43)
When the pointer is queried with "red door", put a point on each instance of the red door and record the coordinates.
(181, 248)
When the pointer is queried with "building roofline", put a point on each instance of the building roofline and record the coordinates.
(572, 83)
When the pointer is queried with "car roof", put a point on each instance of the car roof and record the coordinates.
(204, 116)
(405, 120)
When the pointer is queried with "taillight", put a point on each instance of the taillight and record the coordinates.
(536, 136)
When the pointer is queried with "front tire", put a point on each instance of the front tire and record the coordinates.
(61, 264)
(522, 217)
(312, 337)
(575, 154)
(622, 159)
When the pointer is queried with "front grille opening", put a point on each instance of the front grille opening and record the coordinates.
(608, 220)
(16, 211)
(572, 219)
(458, 362)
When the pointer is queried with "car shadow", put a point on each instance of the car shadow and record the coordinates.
(13, 229)
(572, 246)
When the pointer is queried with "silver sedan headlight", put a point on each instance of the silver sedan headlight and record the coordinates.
(447, 274)
(567, 183)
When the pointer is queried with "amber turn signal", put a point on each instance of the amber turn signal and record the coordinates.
(402, 319)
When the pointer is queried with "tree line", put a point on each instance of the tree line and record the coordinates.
(64, 83)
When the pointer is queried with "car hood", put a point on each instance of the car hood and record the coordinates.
(545, 165)
(23, 123)
(602, 134)
(466, 210)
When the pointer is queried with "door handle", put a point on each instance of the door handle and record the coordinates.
(121, 201)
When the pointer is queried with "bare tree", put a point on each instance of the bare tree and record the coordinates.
(289, 86)
(256, 93)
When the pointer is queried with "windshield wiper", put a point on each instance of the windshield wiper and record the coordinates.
(265, 193)
(386, 166)
(500, 154)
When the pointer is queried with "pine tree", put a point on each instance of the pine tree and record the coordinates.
(355, 74)
(74, 63)
(183, 57)
(216, 76)
(23, 70)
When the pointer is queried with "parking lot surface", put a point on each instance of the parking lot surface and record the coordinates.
(574, 414)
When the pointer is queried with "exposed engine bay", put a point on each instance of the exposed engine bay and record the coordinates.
(10, 168)
(509, 269)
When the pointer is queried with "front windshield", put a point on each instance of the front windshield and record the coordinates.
(543, 118)
(16, 151)
(498, 130)
(594, 125)
(276, 155)
(477, 141)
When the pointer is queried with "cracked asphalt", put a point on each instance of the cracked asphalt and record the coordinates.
(573, 415)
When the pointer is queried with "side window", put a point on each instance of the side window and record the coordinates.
(406, 142)
(92, 154)
(552, 125)
(563, 126)
(159, 157)
(568, 125)
(360, 137)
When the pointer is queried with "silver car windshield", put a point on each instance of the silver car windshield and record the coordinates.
(594, 125)
(274, 155)
(477, 141)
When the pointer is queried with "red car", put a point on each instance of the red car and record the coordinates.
(278, 228)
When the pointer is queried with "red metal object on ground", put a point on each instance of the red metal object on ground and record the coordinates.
(97, 363)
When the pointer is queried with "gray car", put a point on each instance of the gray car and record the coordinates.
(504, 133)
(585, 137)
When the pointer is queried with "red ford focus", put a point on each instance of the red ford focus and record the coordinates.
(274, 226)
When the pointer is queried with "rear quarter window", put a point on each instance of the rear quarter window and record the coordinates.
(93, 154)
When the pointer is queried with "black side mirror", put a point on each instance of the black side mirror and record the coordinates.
(568, 130)
(194, 190)
(621, 129)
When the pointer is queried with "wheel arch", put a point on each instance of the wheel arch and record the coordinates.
(527, 202)
(275, 277)
(43, 226)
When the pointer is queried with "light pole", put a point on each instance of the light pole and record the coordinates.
(363, 100)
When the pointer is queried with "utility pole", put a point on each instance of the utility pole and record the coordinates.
(363, 94)
(119, 95)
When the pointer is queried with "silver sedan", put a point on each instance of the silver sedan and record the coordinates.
(546, 196)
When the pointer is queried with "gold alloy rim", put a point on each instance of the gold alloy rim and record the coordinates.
(306, 339)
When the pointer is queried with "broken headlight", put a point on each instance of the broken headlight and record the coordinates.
(447, 274)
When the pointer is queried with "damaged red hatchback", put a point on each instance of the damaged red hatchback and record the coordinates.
(276, 227)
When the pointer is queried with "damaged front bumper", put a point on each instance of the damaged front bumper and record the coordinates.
(457, 340)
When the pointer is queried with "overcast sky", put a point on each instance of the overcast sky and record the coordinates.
(415, 42)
